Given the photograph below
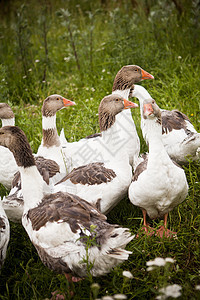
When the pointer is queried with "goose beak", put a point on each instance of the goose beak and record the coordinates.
(68, 102)
(146, 75)
(148, 109)
(129, 104)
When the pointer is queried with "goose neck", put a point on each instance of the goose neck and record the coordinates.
(50, 135)
(32, 186)
(8, 122)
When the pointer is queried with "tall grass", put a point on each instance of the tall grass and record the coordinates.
(75, 49)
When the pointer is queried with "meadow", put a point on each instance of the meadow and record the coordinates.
(75, 48)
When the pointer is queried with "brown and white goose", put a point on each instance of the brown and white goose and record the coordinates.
(49, 158)
(4, 235)
(104, 183)
(51, 146)
(84, 151)
(158, 184)
(60, 224)
(8, 166)
(179, 136)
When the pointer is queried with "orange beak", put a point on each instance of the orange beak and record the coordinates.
(146, 75)
(129, 104)
(148, 109)
(68, 102)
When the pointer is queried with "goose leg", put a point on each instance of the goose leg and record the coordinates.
(71, 278)
(148, 230)
(164, 231)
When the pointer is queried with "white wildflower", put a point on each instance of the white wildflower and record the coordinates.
(43, 81)
(93, 89)
(150, 269)
(120, 296)
(24, 77)
(197, 287)
(103, 70)
(95, 286)
(91, 98)
(67, 59)
(158, 261)
(3, 79)
(170, 260)
(102, 78)
(171, 291)
(127, 274)
(37, 60)
(179, 57)
(107, 298)
(30, 70)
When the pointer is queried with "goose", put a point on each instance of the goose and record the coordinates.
(158, 183)
(179, 136)
(60, 224)
(4, 235)
(104, 183)
(49, 159)
(84, 151)
(50, 146)
(8, 166)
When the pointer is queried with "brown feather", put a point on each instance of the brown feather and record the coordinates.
(94, 173)
(64, 207)
(173, 120)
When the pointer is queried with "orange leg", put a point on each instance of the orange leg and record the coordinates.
(163, 231)
(147, 229)
(71, 278)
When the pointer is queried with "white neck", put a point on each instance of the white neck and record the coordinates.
(49, 122)
(8, 122)
(32, 186)
(152, 133)
(141, 93)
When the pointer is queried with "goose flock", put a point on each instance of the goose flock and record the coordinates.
(61, 197)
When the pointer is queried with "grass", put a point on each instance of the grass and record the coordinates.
(75, 49)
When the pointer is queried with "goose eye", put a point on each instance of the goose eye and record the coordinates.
(1, 133)
(153, 102)
(117, 100)
(57, 98)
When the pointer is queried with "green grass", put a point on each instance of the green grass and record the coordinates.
(104, 38)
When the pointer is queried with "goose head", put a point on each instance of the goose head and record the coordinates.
(13, 138)
(128, 75)
(109, 107)
(54, 103)
(151, 110)
(5, 111)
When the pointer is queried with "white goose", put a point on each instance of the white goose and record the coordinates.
(49, 158)
(104, 183)
(158, 184)
(4, 235)
(8, 166)
(179, 136)
(84, 151)
(60, 224)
